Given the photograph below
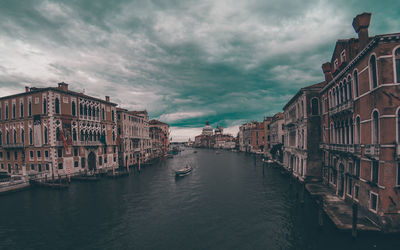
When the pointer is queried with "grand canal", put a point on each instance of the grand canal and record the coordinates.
(229, 201)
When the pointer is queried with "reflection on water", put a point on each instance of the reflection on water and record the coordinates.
(228, 202)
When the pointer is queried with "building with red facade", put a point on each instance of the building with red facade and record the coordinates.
(54, 131)
(360, 122)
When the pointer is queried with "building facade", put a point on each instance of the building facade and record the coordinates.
(159, 134)
(251, 137)
(302, 134)
(361, 122)
(56, 132)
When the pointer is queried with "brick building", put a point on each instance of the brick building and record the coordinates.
(133, 135)
(251, 137)
(159, 134)
(55, 131)
(302, 134)
(360, 122)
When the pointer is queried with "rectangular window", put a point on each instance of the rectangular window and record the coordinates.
(39, 154)
(100, 160)
(2, 166)
(15, 155)
(375, 172)
(31, 155)
(76, 164)
(1, 155)
(83, 162)
(59, 152)
(398, 174)
(46, 154)
(47, 167)
(373, 201)
(32, 166)
(105, 159)
(356, 191)
(75, 151)
(357, 173)
(60, 166)
(349, 185)
(40, 167)
(8, 155)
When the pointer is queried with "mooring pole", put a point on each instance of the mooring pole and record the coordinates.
(303, 190)
(355, 217)
(320, 211)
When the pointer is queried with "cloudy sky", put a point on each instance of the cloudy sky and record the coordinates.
(184, 61)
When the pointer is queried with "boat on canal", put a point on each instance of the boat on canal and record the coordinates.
(184, 171)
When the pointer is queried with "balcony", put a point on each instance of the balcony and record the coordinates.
(13, 146)
(343, 108)
(343, 148)
(372, 151)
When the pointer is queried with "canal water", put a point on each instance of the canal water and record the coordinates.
(229, 201)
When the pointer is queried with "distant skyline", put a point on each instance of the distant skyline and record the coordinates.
(185, 62)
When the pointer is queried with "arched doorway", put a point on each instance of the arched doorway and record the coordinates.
(126, 161)
(92, 161)
(341, 184)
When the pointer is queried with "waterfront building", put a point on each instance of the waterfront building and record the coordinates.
(302, 155)
(251, 137)
(277, 136)
(267, 136)
(159, 134)
(360, 122)
(54, 131)
(134, 138)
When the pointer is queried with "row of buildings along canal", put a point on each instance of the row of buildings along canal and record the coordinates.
(344, 132)
(55, 132)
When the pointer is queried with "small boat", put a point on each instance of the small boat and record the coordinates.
(184, 171)
(217, 152)
(194, 152)
(88, 177)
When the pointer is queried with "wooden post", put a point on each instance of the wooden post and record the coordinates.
(355, 217)
(320, 211)
(303, 190)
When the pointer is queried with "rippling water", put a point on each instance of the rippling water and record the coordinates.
(228, 202)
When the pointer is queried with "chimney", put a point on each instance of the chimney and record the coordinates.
(26, 89)
(107, 98)
(326, 68)
(361, 24)
(63, 86)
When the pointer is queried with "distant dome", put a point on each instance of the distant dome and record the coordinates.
(207, 129)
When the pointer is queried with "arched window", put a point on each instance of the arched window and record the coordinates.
(97, 113)
(8, 137)
(103, 114)
(86, 136)
(21, 113)
(341, 93)
(58, 134)
(6, 112)
(80, 109)
(90, 136)
(337, 95)
(345, 97)
(46, 136)
(350, 88)
(113, 136)
(30, 108)
(397, 64)
(30, 136)
(89, 111)
(375, 127)
(314, 106)
(351, 131)
(334, 97)
(74, 134)
(372, 71)
(22, 136)
(13, 110)
(112, 115)
(85, 110)
(398, 125)
(73, 106)
(15, 136)
(44, 106)
(355, 77)
(82, 135)
(57, 106)
(1, 138)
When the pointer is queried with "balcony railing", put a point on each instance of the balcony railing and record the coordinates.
(13, 145)
(372, 151)
(346, 107)
(352, 149)
(80, 143)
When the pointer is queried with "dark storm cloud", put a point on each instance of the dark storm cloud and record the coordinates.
(184, 61)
